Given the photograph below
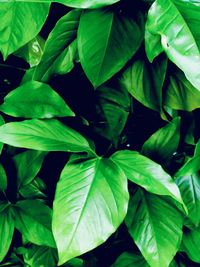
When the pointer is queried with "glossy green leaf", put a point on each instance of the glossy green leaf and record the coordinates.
(190, 191)
(144, 81)
(181, 94)
(191, 244)
(28, 164)
(155, 226)
(146, 173)
(36, 256)
(127, 259)
(94, 188)
(113, 105)
(32, 51)
(15, 20)
(35, 100)
(33, 219)
(3, 178)
(105, 49)
(58, 45)
(166, 30)
(43, 135)
(163, 143)
(6, 231)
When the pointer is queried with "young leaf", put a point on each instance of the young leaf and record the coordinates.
(94, 188)
(104, 50)
(163, 143)
(15, 20)
(35, 100)
(33, 219)
(146, 173)
(155, 226)
(6, 231)
(144, 81)
(191, 244)
(166, 30)
(43, 135)
(127, 259)
(3, 179)
(181, 94)
(60, 38)
(190, 191)
(28, 164)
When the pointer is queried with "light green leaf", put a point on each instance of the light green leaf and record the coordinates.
(90, 203)
(16, 27)
(36, 256)
(105, 49)
(3, 178)
(144, 81)
(191, 244)
(32, 51)
(33, 219)
(113, 105)
(166, 30)
(163, 143)
(35, 100)
(190, 191)
(155, 226)
(28, 164)
(43, 135)
(127, 259)
(6, 231)
(181, 94)
(58, 46)
(146, 173)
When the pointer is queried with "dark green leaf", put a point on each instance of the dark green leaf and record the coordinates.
(35, 100)
(6, 231)
(58, 46)
(127, 259)
(156, 227)
(43, 135)
(3, 178)
(163, 143)
(15, 20)
(106, 41)
(166, 30)
(94, 188)
(146, 173)
(28, 164)
(33, 219)
(33, 190)
(1, 123)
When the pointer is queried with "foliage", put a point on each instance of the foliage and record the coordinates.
(99, 133)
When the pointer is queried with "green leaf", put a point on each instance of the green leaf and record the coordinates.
(43, 135)
(33, 219)
(1, 123)
(155, 226)
(32, 51)
(6, 231)
(166, 30)
(15, 20)
(104, 50)
(58, 46)
(181, 94)
(3, 178)
(33, 190)
(191, 244)
(36, 256)
(90, 203)
(190, 191)
(144, 81)
(113, 105)
(28, 164)
(35, 100)
(146, 173)
(163, 143)
(127, 259)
